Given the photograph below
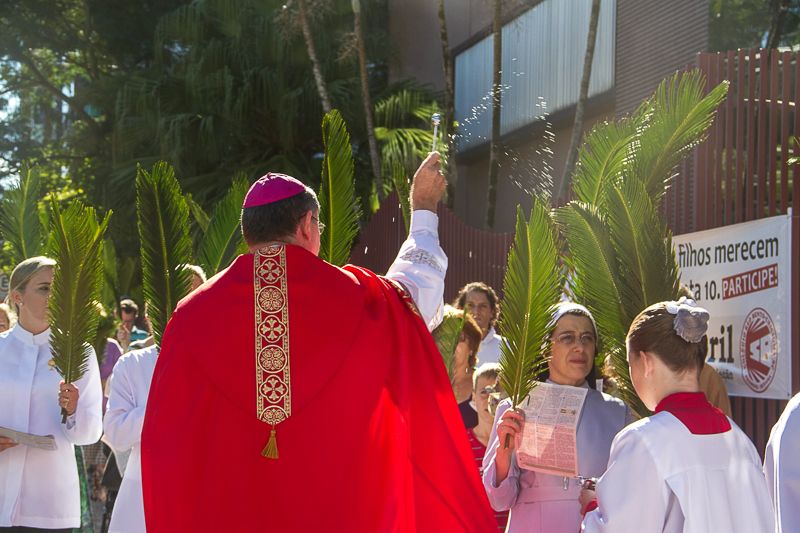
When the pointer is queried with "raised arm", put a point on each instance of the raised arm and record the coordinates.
(421, 263)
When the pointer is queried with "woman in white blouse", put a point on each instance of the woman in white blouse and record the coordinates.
(39, 489)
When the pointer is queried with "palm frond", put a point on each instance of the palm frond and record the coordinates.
(198, 213)
(601, 159)
(678, 118)
(76, 244)
(593, 263)
(166, 248)
(448, 334)
(646, 272)
(339, 209)
(19, 216)
(223, 239)
(531, 285)
(403, 188)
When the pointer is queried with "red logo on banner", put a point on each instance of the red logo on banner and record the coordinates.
(758, 350)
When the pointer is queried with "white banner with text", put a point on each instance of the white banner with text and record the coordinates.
(742, 275)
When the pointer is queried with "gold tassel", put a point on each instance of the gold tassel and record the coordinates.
(270, 451)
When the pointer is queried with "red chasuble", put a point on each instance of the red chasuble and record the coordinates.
(368, 434)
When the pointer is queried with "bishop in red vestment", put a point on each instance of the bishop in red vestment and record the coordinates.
(293, 395)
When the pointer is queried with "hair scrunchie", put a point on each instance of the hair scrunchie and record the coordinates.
(691, 320)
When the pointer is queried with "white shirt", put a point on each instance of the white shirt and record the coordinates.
(782, 468)
(489, 350)
(39, 488)
(127, 400)
(420, 267)
(663, 478)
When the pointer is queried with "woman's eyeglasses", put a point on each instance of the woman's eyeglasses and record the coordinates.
(569, 339)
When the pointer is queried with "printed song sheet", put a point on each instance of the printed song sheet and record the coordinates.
(47, 442)
(548, 440)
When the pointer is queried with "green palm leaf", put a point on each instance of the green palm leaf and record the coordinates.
(403, 188)
(198, 214)
(76, 244)
(339, 209)
(678, 117)
(530, 287)
(646, 272)
(166, 247)
(601, 159)
(448, 334)
(19, 216)
(223, 239)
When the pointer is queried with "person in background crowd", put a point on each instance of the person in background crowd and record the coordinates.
(480, 300)
(128, 331)
(39, 488)
(688, 467)
(485, 383)
(782, 468)
(546, 502)
(6, 317)
(713, 386)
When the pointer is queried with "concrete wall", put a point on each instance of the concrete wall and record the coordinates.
(654, 39)
(414, 27)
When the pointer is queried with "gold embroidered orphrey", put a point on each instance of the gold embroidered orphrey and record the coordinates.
(273, 378)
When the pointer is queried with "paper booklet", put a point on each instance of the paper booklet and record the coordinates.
(548, 440)
(44, 442)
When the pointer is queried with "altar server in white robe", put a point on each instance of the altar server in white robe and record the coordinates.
(688, 468)
(39, 488)
(129, 386)
(782, 468)
(546, 502)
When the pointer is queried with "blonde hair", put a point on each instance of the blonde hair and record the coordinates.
(10, 315)
(23, 272)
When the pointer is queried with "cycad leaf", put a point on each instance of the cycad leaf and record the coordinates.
(223, 239)
(200, 216)
(403, 189)
(532, 284)
(448, 334)
(678, 118)
(19, 216)
(593, 262)
(339, 209)
(601, 159)
(76, 244)
(646, 272)
(166, 247)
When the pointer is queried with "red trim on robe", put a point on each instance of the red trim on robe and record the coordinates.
(695, 412)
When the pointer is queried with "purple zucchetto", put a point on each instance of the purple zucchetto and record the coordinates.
(272, 188)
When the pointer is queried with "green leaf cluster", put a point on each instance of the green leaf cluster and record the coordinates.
(76, 244)
(530, 287)
(448, 334)
(619, 248)
(339, 210)
(165, 244)
(20, 223)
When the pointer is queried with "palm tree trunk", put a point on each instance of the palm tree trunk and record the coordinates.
(494, 142)
(778, 9)
(577, 127)
(365, 98)
(449, 108)
(312, 55)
